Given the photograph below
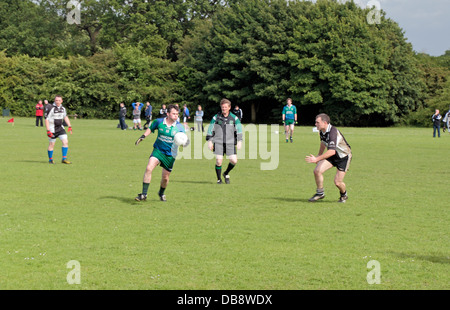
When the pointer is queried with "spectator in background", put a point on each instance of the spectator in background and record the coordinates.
(436, 123)
(148, 114)
(238, 112)
(137, 117)
(39, 113)
(199, 118)
(139, 104)
(446, 121)
(122, 115)
(47, 107)
(185, 117)
(162, 111)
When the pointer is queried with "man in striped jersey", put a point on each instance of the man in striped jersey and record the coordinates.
(338, 154)
(55, 129)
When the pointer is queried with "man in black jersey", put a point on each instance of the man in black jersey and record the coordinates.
(338, 154)
(54, 119)
(224, 136)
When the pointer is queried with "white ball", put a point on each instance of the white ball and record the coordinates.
(180, 138)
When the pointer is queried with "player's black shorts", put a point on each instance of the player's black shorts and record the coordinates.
(342, 164)
(224, 149)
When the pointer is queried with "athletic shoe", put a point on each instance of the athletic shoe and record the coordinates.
(162, 197)
(65, 161)
(316, 197)
(51, 161)
(343, 198)
(287, 141)
(291, 139)
(141, 197)
(219, 181)
(227, 178)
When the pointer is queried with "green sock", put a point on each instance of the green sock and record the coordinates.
(145, 188)
(161, 191)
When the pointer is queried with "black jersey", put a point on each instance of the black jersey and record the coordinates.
(334, 140)
(225, 129)
(55, 118)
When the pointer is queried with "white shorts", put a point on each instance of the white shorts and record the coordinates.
(136, 121)
(61, 137)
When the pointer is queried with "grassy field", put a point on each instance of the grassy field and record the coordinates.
(257, 233)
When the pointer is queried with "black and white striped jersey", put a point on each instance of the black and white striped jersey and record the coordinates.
(334, 140)
(55, 118)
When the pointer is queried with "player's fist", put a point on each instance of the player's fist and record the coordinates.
(70, 130)
(296, 123)
(50, 134)
(239, 145)
(139, 140)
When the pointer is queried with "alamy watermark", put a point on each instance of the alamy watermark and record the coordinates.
(259, 142)
(374, 275)
(74, 275)
(74, 16)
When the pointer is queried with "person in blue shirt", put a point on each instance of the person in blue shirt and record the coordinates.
(148, 114)
(185, 117)
(164, 150)
(140, 104)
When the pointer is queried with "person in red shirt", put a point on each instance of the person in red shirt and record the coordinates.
(39, 113)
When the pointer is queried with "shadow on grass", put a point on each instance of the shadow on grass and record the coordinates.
(431, 258)
(34, 161)
(288, 199)
(192, 182)
(127, 200)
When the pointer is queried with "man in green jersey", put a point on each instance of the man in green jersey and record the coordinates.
(164, 150)
(289, 116)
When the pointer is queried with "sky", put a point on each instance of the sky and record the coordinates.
(426, 23)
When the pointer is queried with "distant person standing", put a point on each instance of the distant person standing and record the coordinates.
(55, 129)
(186, 116)
(137, 117)
(148, 114)
(47, 107)
(238, 112)
(436, 118)
(39, 113)
(447, 121)
(122, 115)
(289, 117)
(199, 118)
(162, 111)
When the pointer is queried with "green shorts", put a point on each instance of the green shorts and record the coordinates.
(165, 161)
(288, 122)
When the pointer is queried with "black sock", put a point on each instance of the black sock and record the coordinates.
(343, 194)
(229, 168)
(218, 171)
(161, 191)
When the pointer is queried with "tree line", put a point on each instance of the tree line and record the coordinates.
(325, 55)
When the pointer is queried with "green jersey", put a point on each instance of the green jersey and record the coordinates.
(164, 141)
(289, 112)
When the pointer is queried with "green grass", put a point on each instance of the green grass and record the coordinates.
(257, 233)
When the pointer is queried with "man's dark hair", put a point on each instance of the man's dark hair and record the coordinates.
(172, 106)
(324, 117)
